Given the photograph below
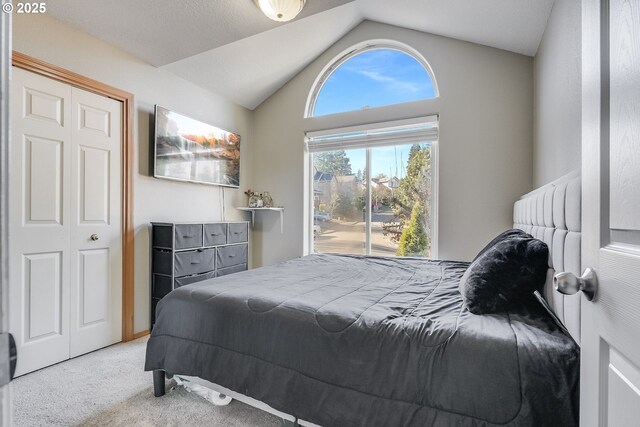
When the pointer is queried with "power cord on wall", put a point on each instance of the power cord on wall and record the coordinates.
(223, 203)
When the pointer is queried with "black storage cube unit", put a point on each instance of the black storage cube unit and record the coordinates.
(186, 253)
(160, 285)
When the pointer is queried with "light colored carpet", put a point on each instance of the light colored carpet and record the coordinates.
(109, 388)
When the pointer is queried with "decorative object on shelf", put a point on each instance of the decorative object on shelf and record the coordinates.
(259, 200)
(253, 198)
(280, 10)
(267, 200)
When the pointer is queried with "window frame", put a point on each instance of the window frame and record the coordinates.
(416, 122)
(355, 50)
(368, 118)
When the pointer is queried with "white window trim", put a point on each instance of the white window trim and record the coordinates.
(357, 49)
(309, 248)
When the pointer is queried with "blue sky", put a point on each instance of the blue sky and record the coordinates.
(375, 78)
(391, 161)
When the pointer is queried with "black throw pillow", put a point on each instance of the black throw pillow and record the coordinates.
(514, 232)
(504, 276)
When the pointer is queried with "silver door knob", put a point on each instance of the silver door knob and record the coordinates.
(569, 284)
(94, 237)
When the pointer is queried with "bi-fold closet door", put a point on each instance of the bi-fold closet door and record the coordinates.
(65, 242)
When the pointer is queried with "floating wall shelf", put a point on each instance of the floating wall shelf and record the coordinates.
(254, 210)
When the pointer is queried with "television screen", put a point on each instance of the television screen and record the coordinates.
(186, 149)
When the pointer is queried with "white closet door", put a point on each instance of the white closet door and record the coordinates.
(96, 245)
(65, 286)
(39, 246)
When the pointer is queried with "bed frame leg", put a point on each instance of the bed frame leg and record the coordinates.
(158, 382)
(287, 423)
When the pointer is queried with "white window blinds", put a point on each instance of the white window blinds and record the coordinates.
(411, 131)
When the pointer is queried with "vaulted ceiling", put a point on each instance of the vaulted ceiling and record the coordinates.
(230, 47)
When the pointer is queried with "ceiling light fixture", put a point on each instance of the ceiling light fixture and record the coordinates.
(280, 10)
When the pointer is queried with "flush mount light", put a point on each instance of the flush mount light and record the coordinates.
(280, 10)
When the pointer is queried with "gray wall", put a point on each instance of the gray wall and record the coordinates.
(485, 148)
(154, 200)
(557, 95)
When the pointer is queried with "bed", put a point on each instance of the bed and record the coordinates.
(339, 340)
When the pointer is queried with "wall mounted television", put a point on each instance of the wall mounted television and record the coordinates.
(185, 149)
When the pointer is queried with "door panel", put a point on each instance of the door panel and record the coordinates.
(623, 376)
(39, 220)
(95, 119)
(42, 180)
(43, 295)
(610, 377)
(625, 110)
(96, 286)
(95, 175)
(43, 106)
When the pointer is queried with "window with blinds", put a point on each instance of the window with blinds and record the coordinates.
(416, 131)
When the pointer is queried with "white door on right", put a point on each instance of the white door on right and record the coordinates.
(610, 369)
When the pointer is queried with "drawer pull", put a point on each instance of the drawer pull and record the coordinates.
(236, 232)
(187, 237)
(195, 262)
(231, 255)
(215, 234)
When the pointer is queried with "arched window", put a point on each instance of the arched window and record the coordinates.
(372, 76)
(373, 184)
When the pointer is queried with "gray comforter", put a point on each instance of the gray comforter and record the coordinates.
(368, 341)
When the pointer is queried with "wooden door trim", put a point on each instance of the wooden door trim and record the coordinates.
(57, 73)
